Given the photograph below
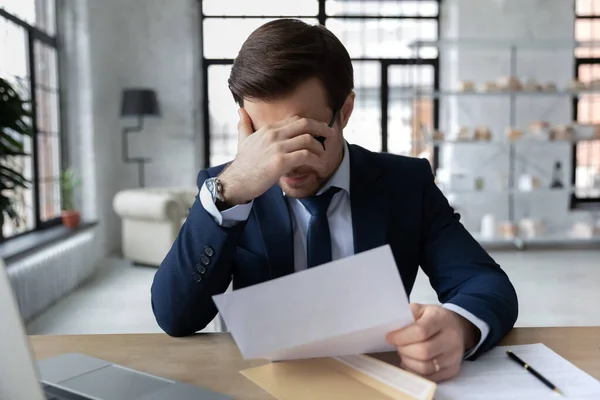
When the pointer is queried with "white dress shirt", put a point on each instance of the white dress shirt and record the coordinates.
(340, 226)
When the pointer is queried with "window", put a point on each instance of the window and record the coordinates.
(28, 50)
(377, 35)
(586, 154)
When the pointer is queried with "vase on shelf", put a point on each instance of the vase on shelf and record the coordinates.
(557, 176)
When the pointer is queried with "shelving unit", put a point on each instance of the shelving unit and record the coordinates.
(504, 145)
(522, 243)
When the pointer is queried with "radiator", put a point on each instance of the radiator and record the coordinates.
(42, 278)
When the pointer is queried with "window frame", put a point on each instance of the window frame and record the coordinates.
(322, 18)
(581, 202)
(34, 36)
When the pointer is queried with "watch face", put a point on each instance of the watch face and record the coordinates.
(210, 185)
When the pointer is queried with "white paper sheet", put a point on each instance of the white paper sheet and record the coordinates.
(495, 377)
(344, 307)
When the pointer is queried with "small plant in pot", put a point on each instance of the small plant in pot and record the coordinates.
(71, 217)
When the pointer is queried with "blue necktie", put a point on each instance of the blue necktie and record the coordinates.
(318, 238)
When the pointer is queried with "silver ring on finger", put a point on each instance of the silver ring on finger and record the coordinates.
(436, 365)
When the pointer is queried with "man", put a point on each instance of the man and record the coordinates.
(297, 196)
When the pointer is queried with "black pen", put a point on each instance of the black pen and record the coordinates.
(321, 139)
(528, 367)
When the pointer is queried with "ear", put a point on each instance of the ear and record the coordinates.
(347, 109)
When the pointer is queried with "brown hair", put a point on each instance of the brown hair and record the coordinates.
(282, 54)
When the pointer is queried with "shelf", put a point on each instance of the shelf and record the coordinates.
(548, 240)
(485, 44)
(409, 94)
(545, 190)
(509, 143)
(559, 239)
(581, 133)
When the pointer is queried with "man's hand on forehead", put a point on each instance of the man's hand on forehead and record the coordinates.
(319, 137)
(271, 152)
(310, 123)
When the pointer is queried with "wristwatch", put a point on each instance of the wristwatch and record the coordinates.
(215, 188)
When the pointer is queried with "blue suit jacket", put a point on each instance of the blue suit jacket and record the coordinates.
(394, 201)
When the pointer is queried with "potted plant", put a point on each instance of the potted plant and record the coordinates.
(15, 126)
(71, 216)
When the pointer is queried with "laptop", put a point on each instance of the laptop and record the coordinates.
(73, 376)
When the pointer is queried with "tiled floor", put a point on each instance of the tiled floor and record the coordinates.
(555, 288)
(116, 300)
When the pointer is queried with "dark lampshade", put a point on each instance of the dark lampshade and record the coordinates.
(138, 102)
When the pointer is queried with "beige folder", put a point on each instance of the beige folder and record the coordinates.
(350, 377)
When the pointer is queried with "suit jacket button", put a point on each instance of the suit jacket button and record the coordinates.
(201, 269)
(196, 277)
(209, 251)
(205, 260)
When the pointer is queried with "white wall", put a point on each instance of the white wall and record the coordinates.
(158, 47)
(115, 44)
(519, 20)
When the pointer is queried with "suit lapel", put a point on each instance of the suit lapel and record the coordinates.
(275, 224)
(369, 204)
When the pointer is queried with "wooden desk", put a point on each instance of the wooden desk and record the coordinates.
(213, 360)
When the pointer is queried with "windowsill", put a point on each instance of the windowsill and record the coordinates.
(16, 248)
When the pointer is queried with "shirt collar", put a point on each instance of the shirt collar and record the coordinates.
(341, 177)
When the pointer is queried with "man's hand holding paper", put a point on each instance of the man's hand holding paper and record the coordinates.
(434, 345)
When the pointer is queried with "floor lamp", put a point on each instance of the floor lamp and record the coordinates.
(137, 103)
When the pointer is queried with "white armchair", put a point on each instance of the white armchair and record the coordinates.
(151, 219)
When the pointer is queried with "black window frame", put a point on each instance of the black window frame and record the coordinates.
(581, 202)
(36, 35)
(322, 18)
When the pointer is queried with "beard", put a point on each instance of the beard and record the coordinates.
(305, 181)
(302, 182)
